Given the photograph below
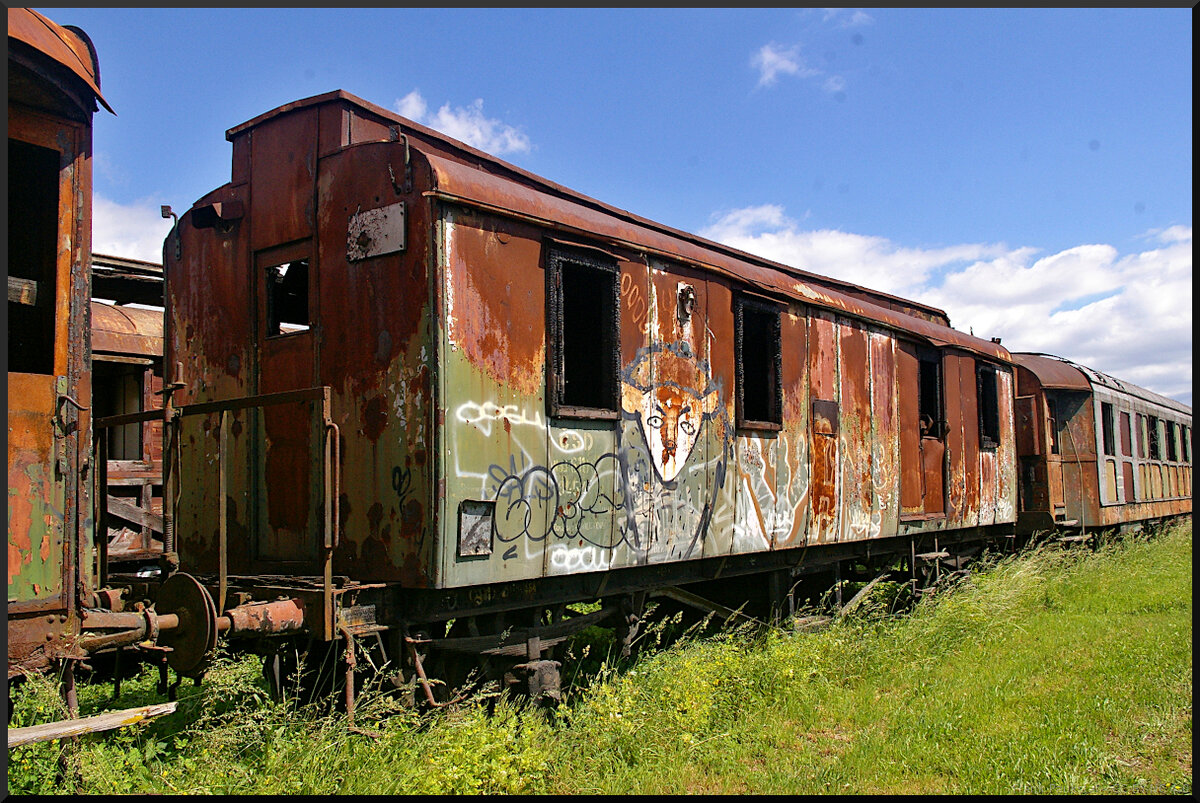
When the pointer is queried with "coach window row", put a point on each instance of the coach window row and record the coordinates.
(1163, 440)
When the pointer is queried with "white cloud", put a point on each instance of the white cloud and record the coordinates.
(133, 231)
(468, 124)
(847, 17)
(1126, 315)
(772, 60)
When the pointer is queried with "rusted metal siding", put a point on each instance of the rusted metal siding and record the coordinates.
(854, 432)
(886, 396)
(495, 436)
(791, 497)
(824, 418)
(721, 451)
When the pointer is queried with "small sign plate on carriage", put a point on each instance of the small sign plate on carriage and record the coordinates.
(375, 232)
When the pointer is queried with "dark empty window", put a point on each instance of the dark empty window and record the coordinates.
(989, 408)
(1052, 411)
(1172, 455)
(1185, 434)
(929, 404)
(1140, 432)
(584, 323)
(117, 389)
(287, 298)
(32, 256)
(759, 364)
(1106, 427)
(1155, 449)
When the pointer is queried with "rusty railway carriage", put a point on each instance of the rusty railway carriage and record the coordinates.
(1096, 452)
(53, 89)
(416, 384)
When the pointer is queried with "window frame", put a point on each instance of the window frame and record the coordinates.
(988, 414)
(1108, 439)
(606, 265)
(773, 311)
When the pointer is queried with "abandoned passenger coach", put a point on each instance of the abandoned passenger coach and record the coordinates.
(416, 383)
(1095, 451)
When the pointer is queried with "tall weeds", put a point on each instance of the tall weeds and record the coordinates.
(1053, 671)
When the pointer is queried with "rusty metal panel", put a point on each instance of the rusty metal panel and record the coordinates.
(1007, 488)
(908, 387)
(988, 484)
(496, 431)
(208, 348)
(791, 491)
(962, 441)
(885, 435)
(720, 440)
(126, 330)
(823, 389)
(283, 172)
(376, 353)
(376, 232)
(676, 406)
(37, 493)
(58, 45)
(854, 431)
(1028, 426)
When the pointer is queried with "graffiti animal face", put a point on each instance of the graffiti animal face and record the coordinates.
(672, 396)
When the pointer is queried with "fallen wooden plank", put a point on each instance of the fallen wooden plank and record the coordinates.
(121, 508)
(77, 727)
(700, 603)
(22, 291)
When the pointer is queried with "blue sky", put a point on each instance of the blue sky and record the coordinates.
(1028, 170)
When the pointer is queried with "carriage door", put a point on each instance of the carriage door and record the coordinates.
(43, 425)
(922, 432)
(289, 447)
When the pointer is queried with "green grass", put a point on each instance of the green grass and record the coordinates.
(1060, 672)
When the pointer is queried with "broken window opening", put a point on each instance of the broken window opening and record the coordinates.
(989, 407)
(929, 403)
(1139, 430)
(584, 319)
(287, 298)
(1172, 455)
(1185, 434)
(758, 342)
(1106, 427)
(33, 192)
(1155, 448)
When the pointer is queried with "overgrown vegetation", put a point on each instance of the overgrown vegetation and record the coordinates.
(1055, 671)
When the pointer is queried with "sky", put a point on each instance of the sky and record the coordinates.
(1027, 170)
